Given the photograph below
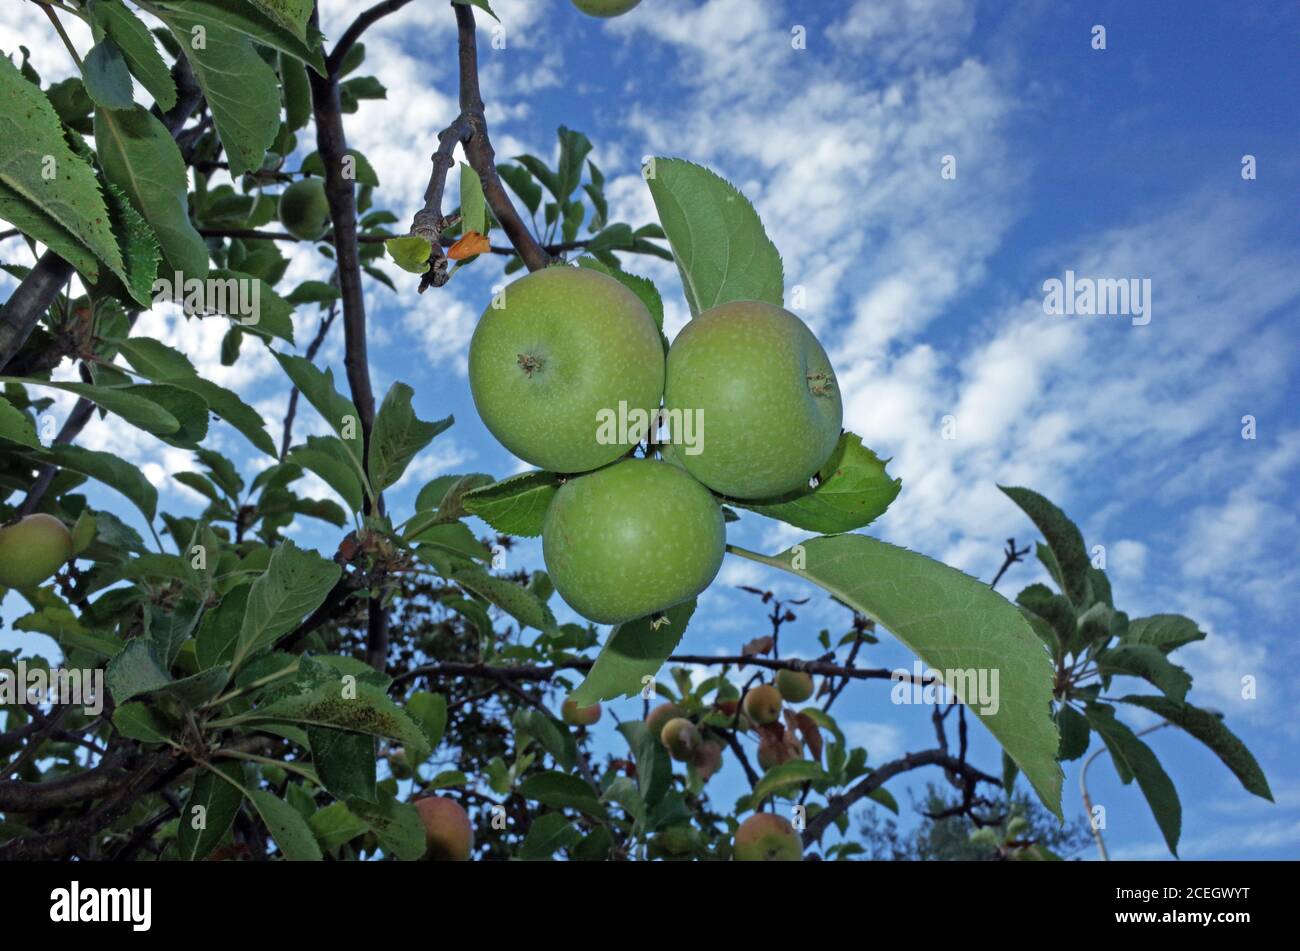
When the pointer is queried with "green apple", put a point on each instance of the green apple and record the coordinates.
(605, 8)
(794, 685)
(707, 759)
(767, 837)
(763, 389)
(561, 358)
(304, 209)
(33, 549)
(658, 718)
(763, 704)
(447, 829)
(575, 715)
(680, 738)
(632, 539)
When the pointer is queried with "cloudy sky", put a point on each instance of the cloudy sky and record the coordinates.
(839, 120)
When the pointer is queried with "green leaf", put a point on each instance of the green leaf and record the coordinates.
(518, 602)
(473, 206)
(16, 426)
(251, 19)
(136, 670)
(397, 826)
(287, 827)
(574, 148)
(209, 812)
(32, 147)
(108, 469)
(654, 770)
(793, 773)
(318, 387)
(1054, 609)
(429, 710)
(293, 15)
(1148, 662)
(28, 218)
(1210, 729)
(139, 156)
(517, 505)
(521, 183)
(358, 707)
(1134, 760)
(1168, 632)
(106, 77)
(141, 253)
(410, 252)
(854, 491)
(296, 88)
(139, 722)
(1063, 538)
(239, 87)
(1074, 733)
(328, 457)
(163, 364)
(137, 44)
(294, 584)
(562, 791)
(542, 172)
(952, 622)
(547, 835)
(397, 436)
(634, 650)
(345, 762)
(483, 5)
(718, 241)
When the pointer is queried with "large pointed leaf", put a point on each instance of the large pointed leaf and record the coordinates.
(1134, 760)
(854, 490)
(397, 436)
(137, 45)
(517, 505)
(635, 650)
(209, 812)
(953, 622)
(1064, 539)
(242, 91)
(37, 163)
(718, 241)
(1149, 663)
(110, 470)
(139, 156)
(287, 827)
(328, 457)
(294, 584)
(1165, 631)
(1210, 729)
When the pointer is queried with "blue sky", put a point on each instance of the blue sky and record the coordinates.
(927, 293)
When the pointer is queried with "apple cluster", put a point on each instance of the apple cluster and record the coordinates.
(625, 538)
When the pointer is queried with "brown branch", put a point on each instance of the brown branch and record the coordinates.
(478, 148)
(363, 22)
(29, 302)
(313, 348)
(838, 805)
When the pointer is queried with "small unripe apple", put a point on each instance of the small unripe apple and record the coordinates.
(558, 360)
(304, 209)
(658, 718)
(766, 394)
(447, 829)
(605, 8)
(680, 738)
(575, 715)
(707, 759)
(632, 539)
(32, 550)
(763, 704)
(767, 837)
(794, 685)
